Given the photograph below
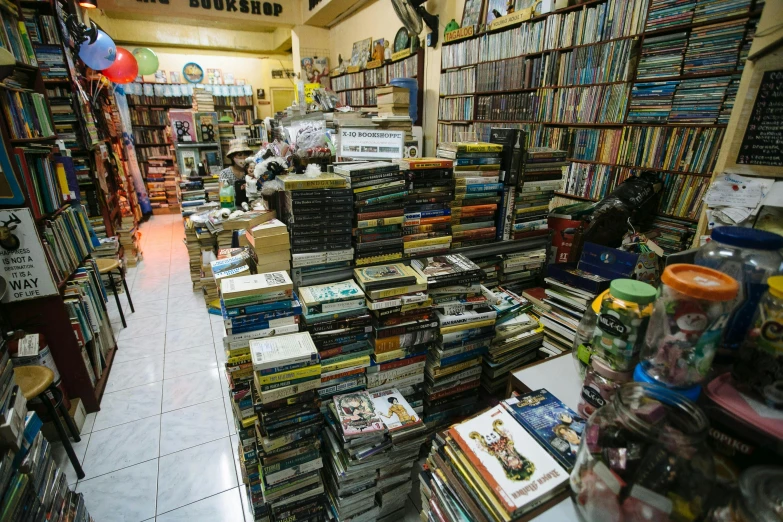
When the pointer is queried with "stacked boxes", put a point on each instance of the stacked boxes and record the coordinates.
(271, 244)
(427, 223)
(542, 177)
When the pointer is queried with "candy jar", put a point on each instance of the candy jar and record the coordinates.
(750, 256)
(622, 322)
(686, 325)
(598, 388)
(758, 499)
(759, 367)
(583, 340)
(643, 457)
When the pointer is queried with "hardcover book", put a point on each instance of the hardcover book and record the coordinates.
(448, 270)
(509, 460)
(357, 415)
(329, 293)
(256, 284)
(248, 220)
(557, 428)
(384, 276)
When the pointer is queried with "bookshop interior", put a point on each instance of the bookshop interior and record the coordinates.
(391, 260)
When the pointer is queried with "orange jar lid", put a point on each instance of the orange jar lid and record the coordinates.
(700, 282)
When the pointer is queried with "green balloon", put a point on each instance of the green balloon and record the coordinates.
(147, 60)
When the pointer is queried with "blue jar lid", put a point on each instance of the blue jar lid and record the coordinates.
(692, 393)
(748, 238)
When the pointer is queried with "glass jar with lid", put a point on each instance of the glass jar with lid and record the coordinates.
(585, 331)
(644, 457)
(750, 256)
(598, 388)
(758, 499)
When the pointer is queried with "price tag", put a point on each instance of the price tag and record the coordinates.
(28, 346)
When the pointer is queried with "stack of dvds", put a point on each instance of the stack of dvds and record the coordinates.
(371, 445)
(517, 339)
(430, 186)
(379, 198)
(476, 191)
(404, 327)
(662, 56)
(286, 373)
(318, 212)
(542, 175)
(453, 367)
(337, 319)
(651, 102)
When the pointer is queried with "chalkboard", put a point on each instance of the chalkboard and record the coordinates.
(761, 144)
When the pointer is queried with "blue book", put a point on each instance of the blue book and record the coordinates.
(262, 318)
(553, 424)
(454, 359)
(258, 308)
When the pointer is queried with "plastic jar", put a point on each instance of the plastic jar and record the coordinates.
(583, 340)
(622, 322)
(687, 322)
(759, 367)
(598, 388)
(643, 457)
(758, 499)
(750, 256)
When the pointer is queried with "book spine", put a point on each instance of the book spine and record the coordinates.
(297, 373)
(282, 393)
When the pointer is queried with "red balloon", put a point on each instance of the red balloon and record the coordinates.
(124, 69)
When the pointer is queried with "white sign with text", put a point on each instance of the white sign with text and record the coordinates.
(371, 143)
(25, 268)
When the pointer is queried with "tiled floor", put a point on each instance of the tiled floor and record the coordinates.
(163, 446)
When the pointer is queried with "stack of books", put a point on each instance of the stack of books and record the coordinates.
(669, 13)
(521, 270)
(517, 338)
(191, 193)
(699, 100)
(427, 224)
(231, 262)
(286, 373)
(51, 61)
(466, 326)
(671, 235)
(379, 199)
(404, 327)
(651, 102)
(319, 214)
(661, 56)
(128, 234)
(371, 444)
(706, 10)
(714, 48)
(477, 186)
(567, 304)
(542, 176)
(336, 317)
(271, 244)
(203, 100)
(392, 101)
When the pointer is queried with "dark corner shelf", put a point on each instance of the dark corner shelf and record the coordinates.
(100, 384)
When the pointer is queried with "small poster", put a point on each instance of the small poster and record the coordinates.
(360, 53)
(25, 271)
(229, 79)
(370, 143)
(214, 76)
(160, 76)
(174, 77)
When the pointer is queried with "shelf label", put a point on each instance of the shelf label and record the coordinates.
(401, 54)
(353, 68)
(458, 34)
(374, 64)
(25, 268)
(511, 19)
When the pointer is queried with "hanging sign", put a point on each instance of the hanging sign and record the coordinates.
(263, 12)
(25, 268)
(371, 143)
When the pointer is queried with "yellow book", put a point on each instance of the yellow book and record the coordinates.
(62, 181)
(249, 421)
(379, 259)
(399, 183)
(299, 182)
(364, 359)
(366, 223)
(471, 147)
(421, 285)
(299, 373)
(439, 372)
(465, 469)
(466, 326)
(237, 352)
(428, 242)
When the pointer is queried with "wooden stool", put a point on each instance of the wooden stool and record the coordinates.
(36, 383)
(105, 266)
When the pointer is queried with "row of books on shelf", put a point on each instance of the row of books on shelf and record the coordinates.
(27, 114)
(169, 101)
(147, 153)
(14, 37)
(239, 101)
(149, 116)
(696, 101)
(42, 28)
(51, 62)
(667, 14)
(358, 97)
(150, 136)
(67, 241)
(49, 180)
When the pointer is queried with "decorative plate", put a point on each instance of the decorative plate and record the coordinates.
(401, 40)
(192, 72)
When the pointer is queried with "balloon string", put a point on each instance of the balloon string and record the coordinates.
(95, 98)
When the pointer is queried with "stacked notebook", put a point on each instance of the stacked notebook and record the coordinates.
(379, 199)
(521, 270)
(651, 102)
(542, 176)
(336, 317)
(403, 327)
(286, 375)
(477, 189)
(466, 326)
(271, 244)
(427, 225)
(567, 304)
(371, 444)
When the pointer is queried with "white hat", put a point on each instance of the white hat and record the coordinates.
(238, 145)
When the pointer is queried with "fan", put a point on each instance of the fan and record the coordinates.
(411, 13)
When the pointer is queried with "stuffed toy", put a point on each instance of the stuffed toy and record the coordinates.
(267, 171)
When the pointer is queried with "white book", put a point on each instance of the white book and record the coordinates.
(242, 340)
(288, 391)
(282, 350)
(255, 284)
(468, 316)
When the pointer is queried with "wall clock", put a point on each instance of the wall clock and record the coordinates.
(402, 40)
(192, 72)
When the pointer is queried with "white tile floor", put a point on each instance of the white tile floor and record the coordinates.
(163, 445)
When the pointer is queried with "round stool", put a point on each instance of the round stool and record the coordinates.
(36, 383)
(106, 266)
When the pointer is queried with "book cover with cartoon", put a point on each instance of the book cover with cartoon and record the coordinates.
(356, 414)
(394, 410)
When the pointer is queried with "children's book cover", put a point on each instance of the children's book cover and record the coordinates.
(356, 414)
(394, 410)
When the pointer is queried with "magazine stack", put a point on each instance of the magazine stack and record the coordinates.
(339, 324)
(371, 445)
(542, 177)
(466, 327)
(404, 328)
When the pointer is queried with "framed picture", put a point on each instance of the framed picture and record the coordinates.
(215, 76)
(10, 188)
(495, 5)
(472, 13)
(229, 79)
(402, 40)
(378, 49)
(160, 76)
(193, 72)
(316, 70)
(360, 53)
(174, 77)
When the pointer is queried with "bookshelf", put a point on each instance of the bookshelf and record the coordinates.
(649, 90)
(358, 89)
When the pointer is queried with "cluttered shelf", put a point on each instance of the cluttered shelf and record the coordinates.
(594, 200)
(62, 284)
(34, 140)
(562, 124)
(642, 167)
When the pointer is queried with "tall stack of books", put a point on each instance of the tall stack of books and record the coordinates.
(271, 244)
(427, 224)
(477, 186)
(404, 327)
(542, 175)
(319, 214)
(379, 200)
(517, 339)
(194, 253)
(521, 270)
(231, 262)
(453, 367)
(651, 102)
(286, 373)
(371, 444)
(336, 317)
(392, 101)
(662, 56)
(567, 304)
(191, 194)
(129, 239)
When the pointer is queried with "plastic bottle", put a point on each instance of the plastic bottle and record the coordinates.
(227, 196)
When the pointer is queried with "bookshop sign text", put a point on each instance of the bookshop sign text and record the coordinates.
(252, 7)
(255, 12)
(24, 265)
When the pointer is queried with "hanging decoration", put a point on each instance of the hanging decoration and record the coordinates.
(100, 53)
(147, 60)
(124, 69)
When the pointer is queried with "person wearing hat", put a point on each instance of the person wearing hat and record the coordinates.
(238, 152)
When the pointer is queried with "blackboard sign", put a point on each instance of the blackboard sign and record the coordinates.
(761, 144)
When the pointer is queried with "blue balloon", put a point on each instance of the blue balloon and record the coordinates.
(100, 54)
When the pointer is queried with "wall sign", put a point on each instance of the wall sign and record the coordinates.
(24, 265)
(371, 143)
(764, 132)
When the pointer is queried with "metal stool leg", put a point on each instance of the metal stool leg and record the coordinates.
(117, 299)
(127, 292)
(57, 399)
(52, 411)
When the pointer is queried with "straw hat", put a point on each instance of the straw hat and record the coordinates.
(238, 145)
